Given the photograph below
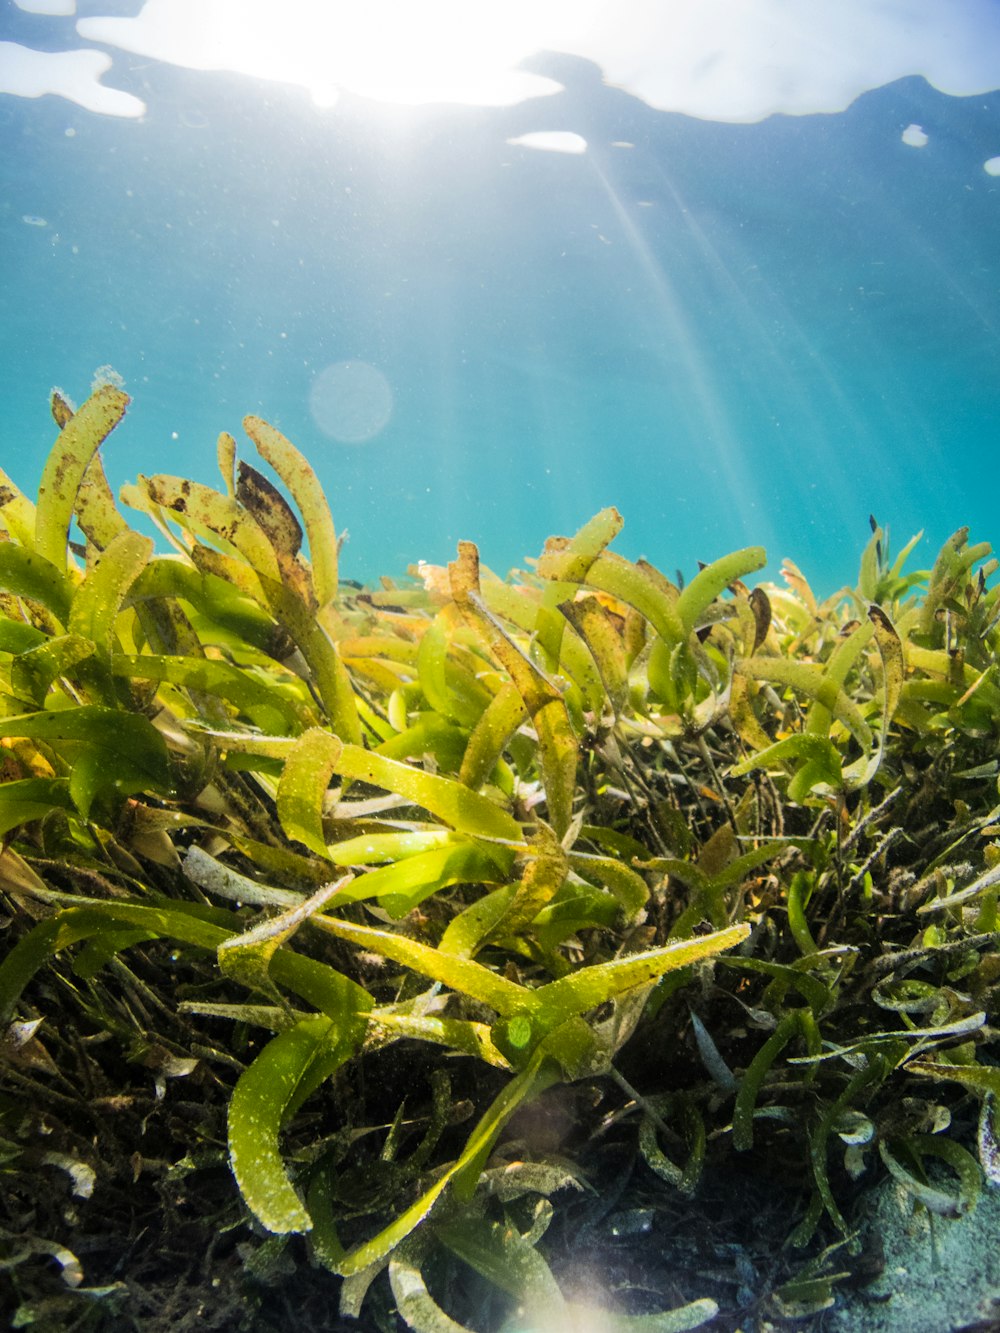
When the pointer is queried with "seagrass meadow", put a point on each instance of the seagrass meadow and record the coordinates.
(571, 950)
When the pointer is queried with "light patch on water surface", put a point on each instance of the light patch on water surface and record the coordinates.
(51, 8)
(388, 50)
(992, 166)
(33, 220)
(552, 141)
(75, 75)
(715, 59)
(915, 136)
(351, 401)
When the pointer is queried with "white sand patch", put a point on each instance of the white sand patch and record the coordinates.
(915, 136)
(75, 75)
(552, 141)
(992, 166)
(939, 1274)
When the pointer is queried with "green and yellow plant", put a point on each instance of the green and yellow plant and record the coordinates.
(533, 827)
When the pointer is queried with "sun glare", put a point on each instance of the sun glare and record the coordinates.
(445, 50)
(717, 59)
(397, 51)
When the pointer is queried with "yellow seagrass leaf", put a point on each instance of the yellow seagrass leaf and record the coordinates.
(293, 469)
(558, 747)
(454, 804)
(200, 509)
(17, 513)
(99, 598)
(96, 511)
(302, 788)
(78, 441)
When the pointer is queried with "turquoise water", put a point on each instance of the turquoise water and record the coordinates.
(736, 333)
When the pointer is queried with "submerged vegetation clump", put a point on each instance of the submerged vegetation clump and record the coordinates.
(475, 952)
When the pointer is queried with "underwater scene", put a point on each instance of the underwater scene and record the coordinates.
(731, 268)
(499, 666)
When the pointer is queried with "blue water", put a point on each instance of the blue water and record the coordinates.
(734, 333)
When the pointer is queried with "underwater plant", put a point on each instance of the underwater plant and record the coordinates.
(385, 878)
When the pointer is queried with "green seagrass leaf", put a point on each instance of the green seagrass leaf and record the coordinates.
(984, 1078)
(709, 582)
(416, 1306)
(915, 1147)
(557, 744)
(17, 636)
(750, 1085)
(430, 734)
(614, 574)
(101, 948)
(817, 750)
(590, 986)
(683, 1178)
(816, 682)
(458, 1034)
(467, 931)
(31, 798)
(290, 1067)
(489, 737)
(73, 924)
(619, 879)
(330, 676)
(575, 662)
(578, 553)
(401, 887)
(112, 750)
(596, 628)
(893, 672)
(559, 751)
(540, 1073)
(377, 848)
(432, 672)
(951, 571)
(191, 923)
(247, 958)
(217, 601)
(810, 987)
(501, 1254)
(709, 890)
(32, 672)
(460, 974)
(99, 598)
(225, 456)
(266, 704)
(27, 574)
(544, 875)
